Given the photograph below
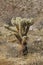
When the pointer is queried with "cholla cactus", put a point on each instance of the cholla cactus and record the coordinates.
(20, 27)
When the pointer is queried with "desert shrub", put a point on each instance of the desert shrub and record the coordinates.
(20, 27)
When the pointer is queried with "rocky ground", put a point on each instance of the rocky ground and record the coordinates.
(9, 54)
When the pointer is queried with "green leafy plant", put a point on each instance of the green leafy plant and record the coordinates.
(20, 27)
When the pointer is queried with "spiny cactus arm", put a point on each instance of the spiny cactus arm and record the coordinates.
(27, 29)
(17, 26)
(9, 28)
(24, 28)
(18, 37)
(15, 22)
(27, 23)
